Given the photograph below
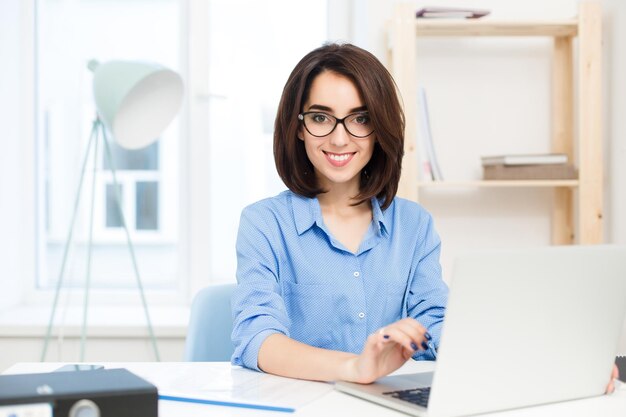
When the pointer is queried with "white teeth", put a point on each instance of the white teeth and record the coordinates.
(335, 157)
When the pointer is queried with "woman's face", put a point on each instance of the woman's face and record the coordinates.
(339, 157)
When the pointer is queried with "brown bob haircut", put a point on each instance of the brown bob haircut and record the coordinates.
(381, 175)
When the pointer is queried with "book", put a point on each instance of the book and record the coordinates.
(620, 361)
(425, 138)
(530, 172)
(449, 12)
(525, 159)
(425, 173)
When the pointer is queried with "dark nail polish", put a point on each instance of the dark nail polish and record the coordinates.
(386, 336)
(425, 345)
(414, 346)
(427, 336)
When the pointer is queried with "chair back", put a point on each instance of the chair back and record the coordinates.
(210, 325)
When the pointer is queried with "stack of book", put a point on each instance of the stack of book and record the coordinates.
(451, 12)
(528, 167)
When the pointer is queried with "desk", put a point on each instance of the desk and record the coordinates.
(324, 400)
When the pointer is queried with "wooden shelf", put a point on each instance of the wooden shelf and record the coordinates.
(575, 114)
(500, 184)
(467, 27)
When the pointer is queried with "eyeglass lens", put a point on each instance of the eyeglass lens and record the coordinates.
(322, 124)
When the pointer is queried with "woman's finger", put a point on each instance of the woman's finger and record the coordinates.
(411, 341)
(412, 324)
(414, 330)
(610, 388)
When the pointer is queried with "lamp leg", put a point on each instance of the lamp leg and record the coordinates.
(68, 241)
(131, 249)
(89, 251)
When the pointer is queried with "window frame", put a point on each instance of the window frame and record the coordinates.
(194, 151)
(34, 246)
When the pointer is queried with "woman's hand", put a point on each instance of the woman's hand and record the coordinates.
(387, 350)
(614, 375)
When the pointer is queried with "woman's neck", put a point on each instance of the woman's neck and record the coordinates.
(339, 197)
(347, 222)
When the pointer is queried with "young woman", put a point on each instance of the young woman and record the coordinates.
(338, 278)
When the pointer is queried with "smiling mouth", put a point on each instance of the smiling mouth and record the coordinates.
(339, 159)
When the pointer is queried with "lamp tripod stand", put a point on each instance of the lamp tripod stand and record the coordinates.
(97, 136)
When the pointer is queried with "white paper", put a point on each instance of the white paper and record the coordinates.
(222, 382)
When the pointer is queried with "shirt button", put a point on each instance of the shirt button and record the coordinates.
(357, 273)
(361, 315)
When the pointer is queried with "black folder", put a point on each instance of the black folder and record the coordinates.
(115, 392)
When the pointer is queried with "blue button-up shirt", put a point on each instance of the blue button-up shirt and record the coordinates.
(295, 278)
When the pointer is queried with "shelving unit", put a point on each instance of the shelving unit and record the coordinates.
(501, 183)
(583, 196)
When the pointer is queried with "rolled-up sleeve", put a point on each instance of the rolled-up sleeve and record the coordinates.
(428, 293)
(257, 305)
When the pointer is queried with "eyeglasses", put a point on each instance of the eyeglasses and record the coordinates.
(321, 124)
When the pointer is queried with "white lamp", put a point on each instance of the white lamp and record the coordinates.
(135, 102)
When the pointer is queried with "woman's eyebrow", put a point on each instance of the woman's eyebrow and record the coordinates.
(320, 107)
(328, 109)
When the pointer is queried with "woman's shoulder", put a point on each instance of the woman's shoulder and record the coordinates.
(272, 207)
(403, 208)
(270, 203)
(408, 219)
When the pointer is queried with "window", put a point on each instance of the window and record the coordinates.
(253, 47)
(148, 178)
(235, 57)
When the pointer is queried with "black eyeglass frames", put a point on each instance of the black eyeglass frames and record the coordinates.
(320, 124)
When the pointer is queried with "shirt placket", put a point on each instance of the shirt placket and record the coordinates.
(359, 311)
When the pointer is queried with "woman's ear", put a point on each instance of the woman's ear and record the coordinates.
(299, 134)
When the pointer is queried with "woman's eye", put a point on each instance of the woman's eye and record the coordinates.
(320, 118)
(362, 119)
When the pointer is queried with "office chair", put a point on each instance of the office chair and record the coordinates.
(210, 325)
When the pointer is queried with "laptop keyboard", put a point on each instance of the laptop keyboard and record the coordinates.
(417, 396)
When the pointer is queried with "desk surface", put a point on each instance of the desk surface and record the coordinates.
(315, 398)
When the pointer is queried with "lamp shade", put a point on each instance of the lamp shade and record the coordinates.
(135, 100)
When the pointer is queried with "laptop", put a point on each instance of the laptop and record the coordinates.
(523, 327)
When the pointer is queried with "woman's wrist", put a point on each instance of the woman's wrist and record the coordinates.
(348, 369)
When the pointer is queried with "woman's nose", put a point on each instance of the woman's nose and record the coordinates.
(340, 136)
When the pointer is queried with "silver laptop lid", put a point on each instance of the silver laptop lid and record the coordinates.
(528, 327)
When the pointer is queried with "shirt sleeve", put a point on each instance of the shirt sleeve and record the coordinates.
(257, 305)
(428, 294)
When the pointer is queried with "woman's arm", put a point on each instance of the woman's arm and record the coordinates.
(428, 294)
(283, 356)
(384, 352)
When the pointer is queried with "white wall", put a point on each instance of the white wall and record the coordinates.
(615, 123)
(111, 335)
(98, 349)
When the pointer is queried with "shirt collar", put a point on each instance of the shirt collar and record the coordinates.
(379, 217)
(307, 212)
